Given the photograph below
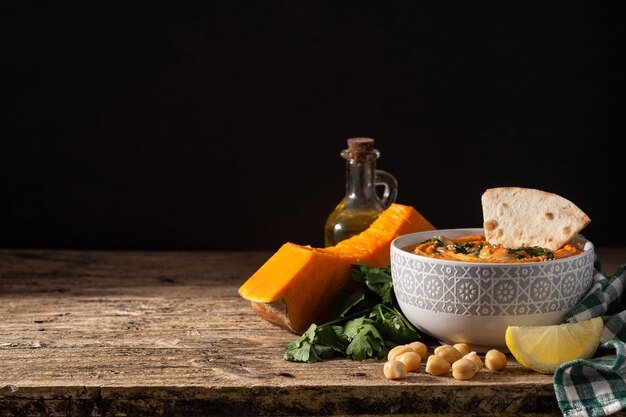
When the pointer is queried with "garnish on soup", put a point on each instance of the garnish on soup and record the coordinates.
(520, 225)
(475, 248)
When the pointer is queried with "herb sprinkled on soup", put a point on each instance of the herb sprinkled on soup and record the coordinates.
(475, 248)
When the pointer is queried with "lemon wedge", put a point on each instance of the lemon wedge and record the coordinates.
(543, 348)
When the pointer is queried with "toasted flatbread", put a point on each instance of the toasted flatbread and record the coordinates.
(516, 217)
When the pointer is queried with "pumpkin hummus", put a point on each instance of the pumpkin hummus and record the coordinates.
(475, 248)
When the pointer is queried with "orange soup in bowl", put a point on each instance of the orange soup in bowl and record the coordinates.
(475, 248)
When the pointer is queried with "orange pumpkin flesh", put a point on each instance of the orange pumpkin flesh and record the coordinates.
(294, 286)
(298, 285)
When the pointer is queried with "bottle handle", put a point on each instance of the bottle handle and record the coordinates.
(390, 184)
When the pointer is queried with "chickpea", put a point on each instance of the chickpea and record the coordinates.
(463, 348)
(495, 360)
(398, 350)
(463, 369)
(449, 353)
(411, 360)
(436, 365)
(420, 348)
(473, 356)
(394, 369)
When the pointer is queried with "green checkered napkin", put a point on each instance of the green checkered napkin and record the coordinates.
(597, 387)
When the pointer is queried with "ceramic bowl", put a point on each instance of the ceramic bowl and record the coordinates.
(474, 302)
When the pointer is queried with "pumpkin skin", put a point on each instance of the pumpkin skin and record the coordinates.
(298, 285)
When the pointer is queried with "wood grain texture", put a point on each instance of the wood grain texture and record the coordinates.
(165, 333)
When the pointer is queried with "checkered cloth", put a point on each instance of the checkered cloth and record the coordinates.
(597, 387)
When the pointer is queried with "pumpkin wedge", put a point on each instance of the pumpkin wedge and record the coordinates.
(396, 221)
(298, 285)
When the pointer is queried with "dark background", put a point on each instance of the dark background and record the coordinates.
(218, 125)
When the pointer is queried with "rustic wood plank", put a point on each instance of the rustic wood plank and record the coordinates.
(165, 333)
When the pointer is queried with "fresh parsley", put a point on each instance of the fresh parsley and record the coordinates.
(376, 279)
(365, 339)
(437, 241)
(530, 252)
(469, 248)
(317, 343)
(463, 247)
(368, 323)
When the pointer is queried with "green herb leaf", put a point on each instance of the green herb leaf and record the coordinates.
(366, 340)
(530, 252)
(480, 247)
(347, 304)
(316, 344)
(437, 241)
(302, 350)
(463, 247)
(393, 326)
(332, 336)
(376, 279)
(366, 323)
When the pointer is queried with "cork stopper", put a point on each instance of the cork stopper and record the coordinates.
(360, 150)
(360, 145)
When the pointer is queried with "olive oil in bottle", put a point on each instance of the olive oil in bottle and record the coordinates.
(361, 204)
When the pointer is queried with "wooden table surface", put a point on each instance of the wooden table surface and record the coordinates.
(87, 333)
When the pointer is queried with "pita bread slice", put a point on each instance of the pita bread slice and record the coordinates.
(516, 217)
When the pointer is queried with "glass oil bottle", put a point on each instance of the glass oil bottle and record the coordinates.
(361, 204)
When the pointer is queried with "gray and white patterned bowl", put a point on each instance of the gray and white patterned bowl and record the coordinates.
(474, 302)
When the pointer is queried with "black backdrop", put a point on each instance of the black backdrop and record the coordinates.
(218, 125)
